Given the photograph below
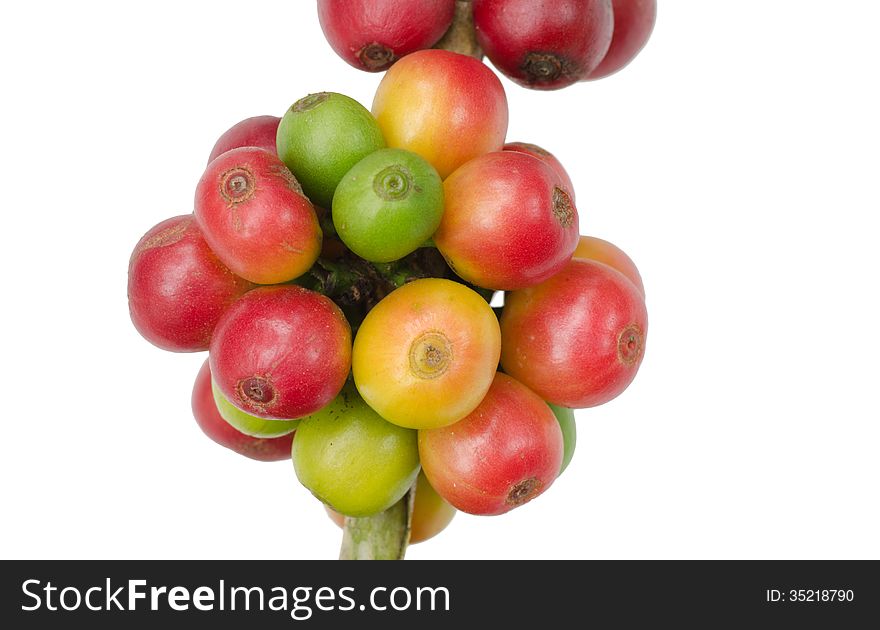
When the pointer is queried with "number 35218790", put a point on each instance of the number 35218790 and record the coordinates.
(810, 595)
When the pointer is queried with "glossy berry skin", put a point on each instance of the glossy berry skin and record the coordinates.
(592, 248)
(548, 158)
(426, 355)
(388, 205)
(544, 44)
(255, 217)
(502, 455)
(576, 340)
(215, 427)
(509, 223)
(177, 288)
(281, 352)
(447, 107)
(431, 513)
(372, 34)
(321, 137)
(258, 131)
(353, 460)
(633, 24)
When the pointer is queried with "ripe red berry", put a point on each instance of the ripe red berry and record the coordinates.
(545, 156)
(215, 427)
(576, 340)
(281, 352)
(509, 222)
(633, 23)
(373, 34)
(255, 217)
(500, 456)
(177, 288)
(593, 248)
(259, 131)
(544, 45)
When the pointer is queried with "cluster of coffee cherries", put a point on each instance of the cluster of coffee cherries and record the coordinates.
(340, 266)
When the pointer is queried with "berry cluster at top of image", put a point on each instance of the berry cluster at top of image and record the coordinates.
(340, 263)
(539, 44)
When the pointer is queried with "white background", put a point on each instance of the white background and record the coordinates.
(736, 160)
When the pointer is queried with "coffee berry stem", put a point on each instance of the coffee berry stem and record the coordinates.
(461, 37)
(383, 536)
